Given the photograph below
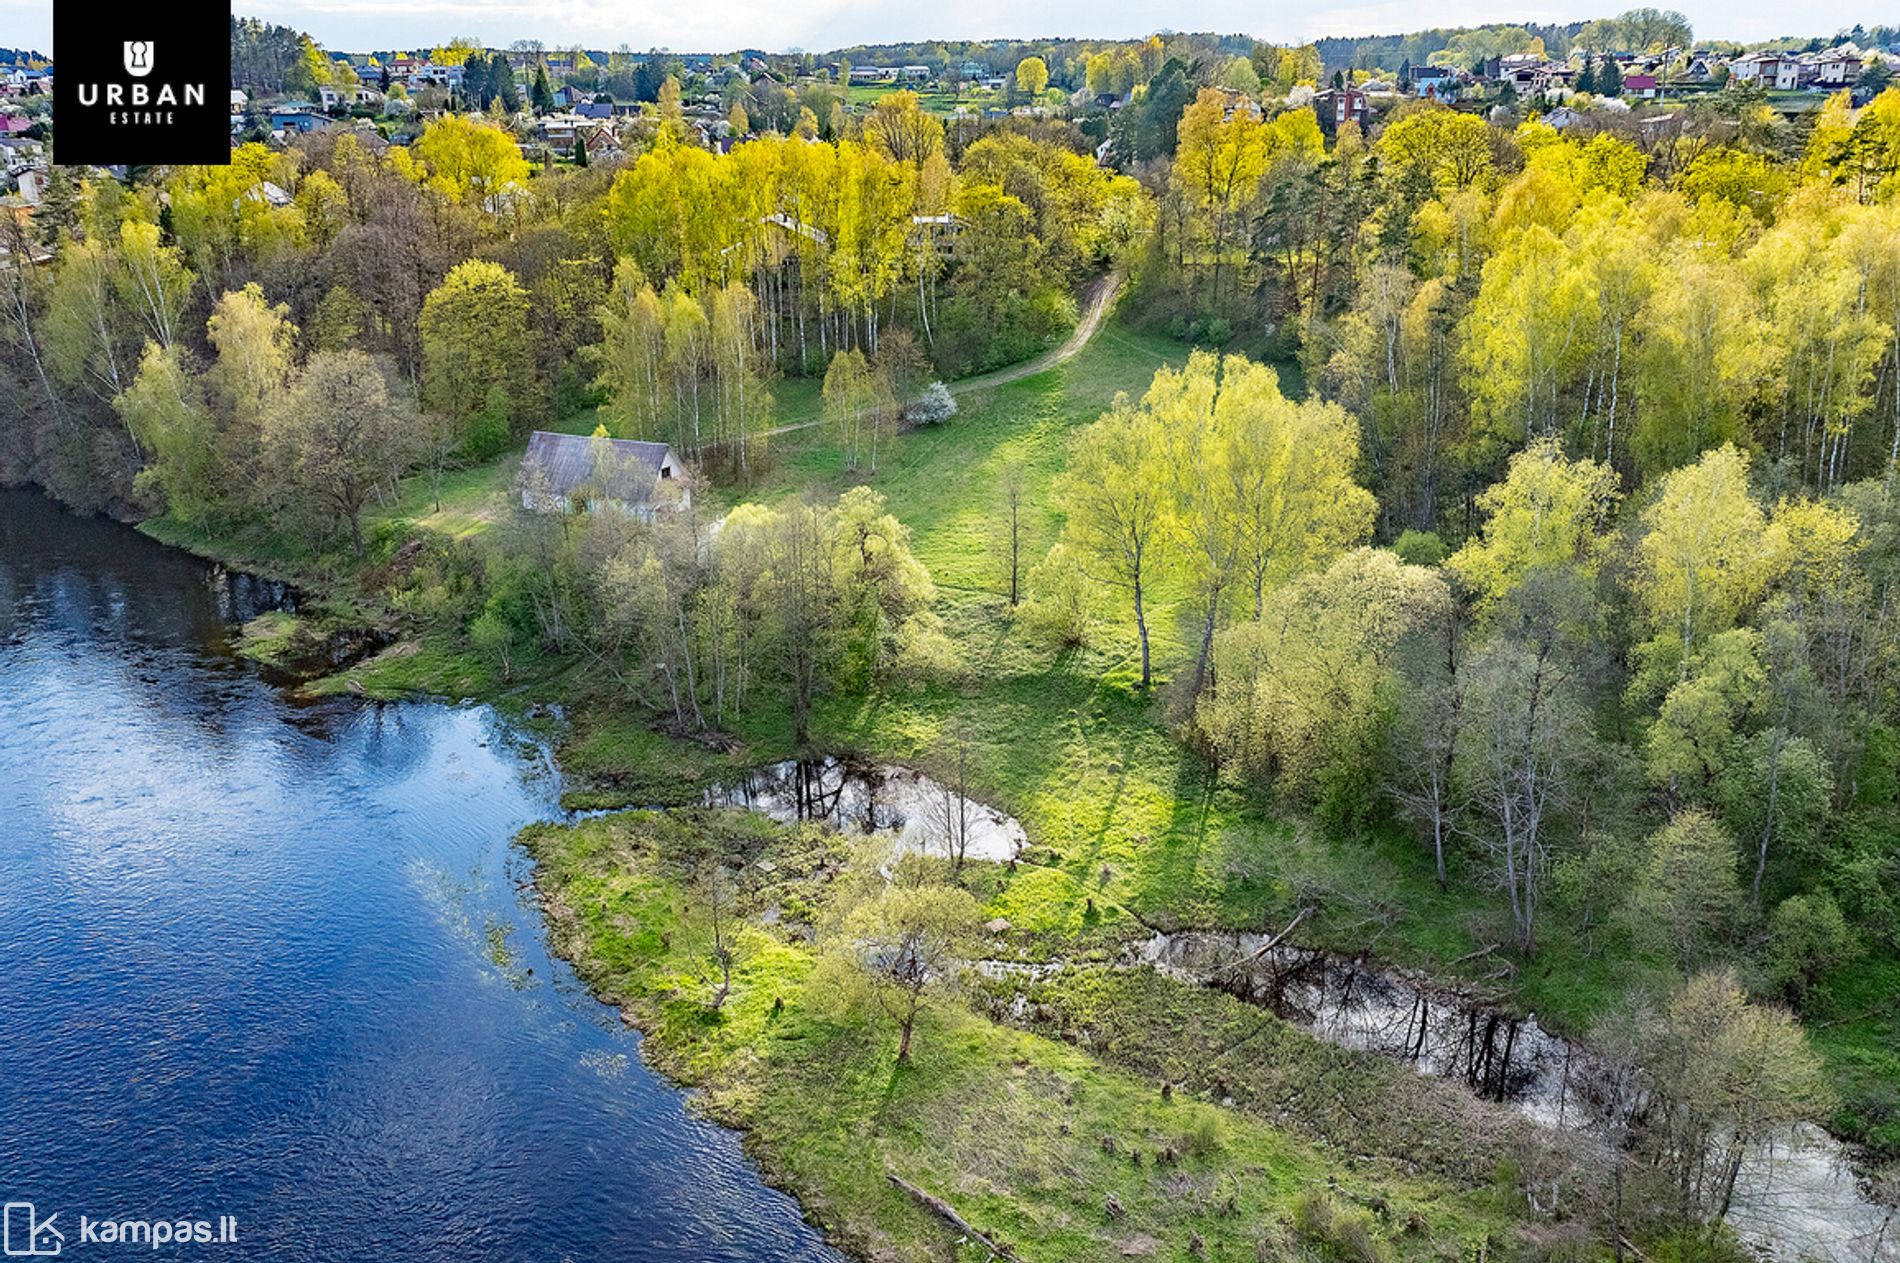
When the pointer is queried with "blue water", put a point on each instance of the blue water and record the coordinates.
(246, 961)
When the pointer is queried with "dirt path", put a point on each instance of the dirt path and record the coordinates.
(1100, 300)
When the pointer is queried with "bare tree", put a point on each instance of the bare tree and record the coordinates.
(1525, 733)
(1431, 710)
(950, 806)
(1015, 489)
(716, 895)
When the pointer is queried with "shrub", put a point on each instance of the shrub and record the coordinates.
(935, 405)
(1810, 938)
(1205, 1137)
(1343, 1232)
(1420, 548)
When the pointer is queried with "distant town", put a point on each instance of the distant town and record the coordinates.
(592, 105)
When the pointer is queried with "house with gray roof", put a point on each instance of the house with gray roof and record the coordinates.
(569, 473)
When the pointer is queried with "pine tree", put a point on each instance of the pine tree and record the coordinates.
(543, 93)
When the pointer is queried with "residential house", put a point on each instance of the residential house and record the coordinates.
(305, 119)
(239, 101)
(1337, 106)
(1642, 87)
(567, 473)
(1442, 83)
(330, 98)
(266, 193)
(1837, 67)
(439, 76)
(561, 129)
(1755, 68)
(601, 144)
(914, 74)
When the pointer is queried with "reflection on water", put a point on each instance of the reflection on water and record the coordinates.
(248, 955)
(876, 798)
(1498, 1055)
(1801, 1200)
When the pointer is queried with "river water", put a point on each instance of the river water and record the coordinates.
(276, 961)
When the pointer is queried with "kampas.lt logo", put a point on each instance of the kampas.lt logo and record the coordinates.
(138, 58)
(27, 1236)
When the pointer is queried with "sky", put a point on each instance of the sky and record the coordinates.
(817, 25)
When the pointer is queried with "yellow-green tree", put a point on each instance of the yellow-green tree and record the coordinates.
(1300, 690)
(1446, 147)
(477, 366)
(1524, 337)
(256, 346)
(164, 409)
(1032, 75)
(1218, 162)
(472, 160)
(1707, 551)
(1546, 513)
(1117, 497)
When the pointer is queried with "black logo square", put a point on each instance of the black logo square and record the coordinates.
(138, 90)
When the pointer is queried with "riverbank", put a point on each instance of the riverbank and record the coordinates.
(1130, 832)
(1038, 1143)
(341, 1022)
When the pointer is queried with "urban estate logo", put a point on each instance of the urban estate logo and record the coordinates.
(120, 101)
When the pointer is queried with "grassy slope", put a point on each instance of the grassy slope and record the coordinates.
(1127, 826)
(1006, 1125)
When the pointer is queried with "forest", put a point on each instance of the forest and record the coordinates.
(1478, 537)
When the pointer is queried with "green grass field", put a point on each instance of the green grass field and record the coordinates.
(932, 100)
(1042, 1145)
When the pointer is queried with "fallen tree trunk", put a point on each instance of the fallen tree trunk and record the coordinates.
(1481, 952)
(1273, 942)
(948, 1213)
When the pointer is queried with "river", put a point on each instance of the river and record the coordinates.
(275, 961)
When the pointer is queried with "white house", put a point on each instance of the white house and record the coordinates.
(1838, 67)
(1754, 68)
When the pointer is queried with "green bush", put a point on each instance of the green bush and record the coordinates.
(1341, 1232)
